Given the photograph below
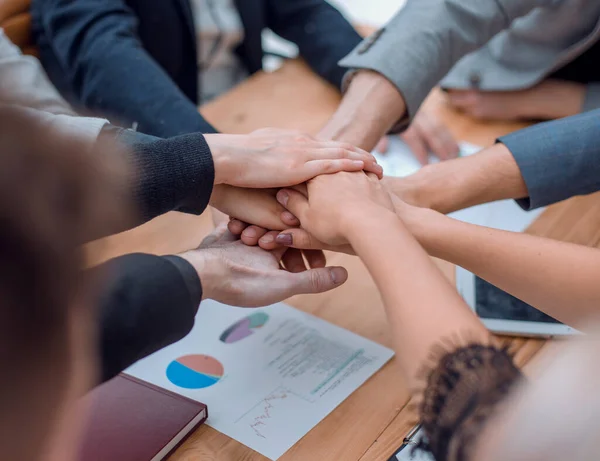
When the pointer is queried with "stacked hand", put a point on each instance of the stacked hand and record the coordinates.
(271, 158)
(239, 275)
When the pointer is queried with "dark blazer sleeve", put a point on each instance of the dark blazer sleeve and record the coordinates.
(558, 159)
(322, 34)
(149, 303)
(107, 69)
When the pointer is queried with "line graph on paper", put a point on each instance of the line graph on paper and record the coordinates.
(277, 406)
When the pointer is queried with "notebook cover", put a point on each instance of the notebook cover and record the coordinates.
(132, 420)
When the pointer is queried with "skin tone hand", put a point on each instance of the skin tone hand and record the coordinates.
(426, 134)
(328, 196)
(256, 206)
(235, 274)
(371, 106)
(548, 100)
(490, 175)
(281, 158)
(347, 209)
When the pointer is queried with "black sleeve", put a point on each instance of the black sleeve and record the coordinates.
(322, 34)
(101, 59)
(168, 174)
(149, 303)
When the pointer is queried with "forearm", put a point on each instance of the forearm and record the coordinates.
(560, 279)
(370, 108)
(426, 38)
(150, 302)
(490, 175)
(321, 32)
(413, 290)
(167, 174)
(104, 63)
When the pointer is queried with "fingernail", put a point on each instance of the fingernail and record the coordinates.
(251, 232)
(334, 277)
(283, 197)
(358, 163)
(284, 239)
(290, 217)
(267, 239)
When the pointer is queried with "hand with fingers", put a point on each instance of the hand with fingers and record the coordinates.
(240, 275)
(270, 158)
(426, 134)
(331, 195)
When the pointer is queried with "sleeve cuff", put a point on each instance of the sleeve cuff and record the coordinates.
(172, 174)
(558, 159)
(399, 126)
(150, 302)
(190, 278)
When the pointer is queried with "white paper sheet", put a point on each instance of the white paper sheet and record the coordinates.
(400, 161)
(277, 381)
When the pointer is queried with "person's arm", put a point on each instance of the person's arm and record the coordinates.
(104, 62)
(24, 83)
(151, 301)
(322, 34)
(190, 171)
(540, 165)
(457, 374)
(558, 278)
(407, 57)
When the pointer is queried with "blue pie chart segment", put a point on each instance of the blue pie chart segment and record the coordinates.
(195, 371)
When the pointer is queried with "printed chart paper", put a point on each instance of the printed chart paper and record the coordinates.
(268, 375)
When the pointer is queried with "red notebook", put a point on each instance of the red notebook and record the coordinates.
(131, 420)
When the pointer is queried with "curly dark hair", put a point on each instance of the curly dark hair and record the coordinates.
(55, 192)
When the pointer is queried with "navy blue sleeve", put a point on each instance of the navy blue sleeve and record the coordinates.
(102, 61)
(321, 32)
(149, 303)
(558, 159)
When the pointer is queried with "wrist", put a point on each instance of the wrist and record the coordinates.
(371, 106)
(207, 269)
(220, 155)
(357, 221)
(433, 186)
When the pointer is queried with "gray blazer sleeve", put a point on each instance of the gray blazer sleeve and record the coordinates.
(558, 159)
(418, 47)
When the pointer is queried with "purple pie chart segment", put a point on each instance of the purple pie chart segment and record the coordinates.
(244, 327)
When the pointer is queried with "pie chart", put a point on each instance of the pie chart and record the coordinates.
(195, 371)
(244, 327)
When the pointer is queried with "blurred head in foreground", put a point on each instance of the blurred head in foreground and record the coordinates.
(54, 194)
(556, 416)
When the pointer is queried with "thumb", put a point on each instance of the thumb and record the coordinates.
(314, 280)
(215, 235)
(294, 201)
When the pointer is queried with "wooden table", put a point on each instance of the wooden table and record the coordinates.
(371, 423)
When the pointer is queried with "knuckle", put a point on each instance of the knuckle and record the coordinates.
(317, 281)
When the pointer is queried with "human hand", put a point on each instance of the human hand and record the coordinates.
(426, 134)
(292, 259)
(282, 158)
(253, 206)
(548, 100)
(331, 200)
(371, 106)
(235, 274)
